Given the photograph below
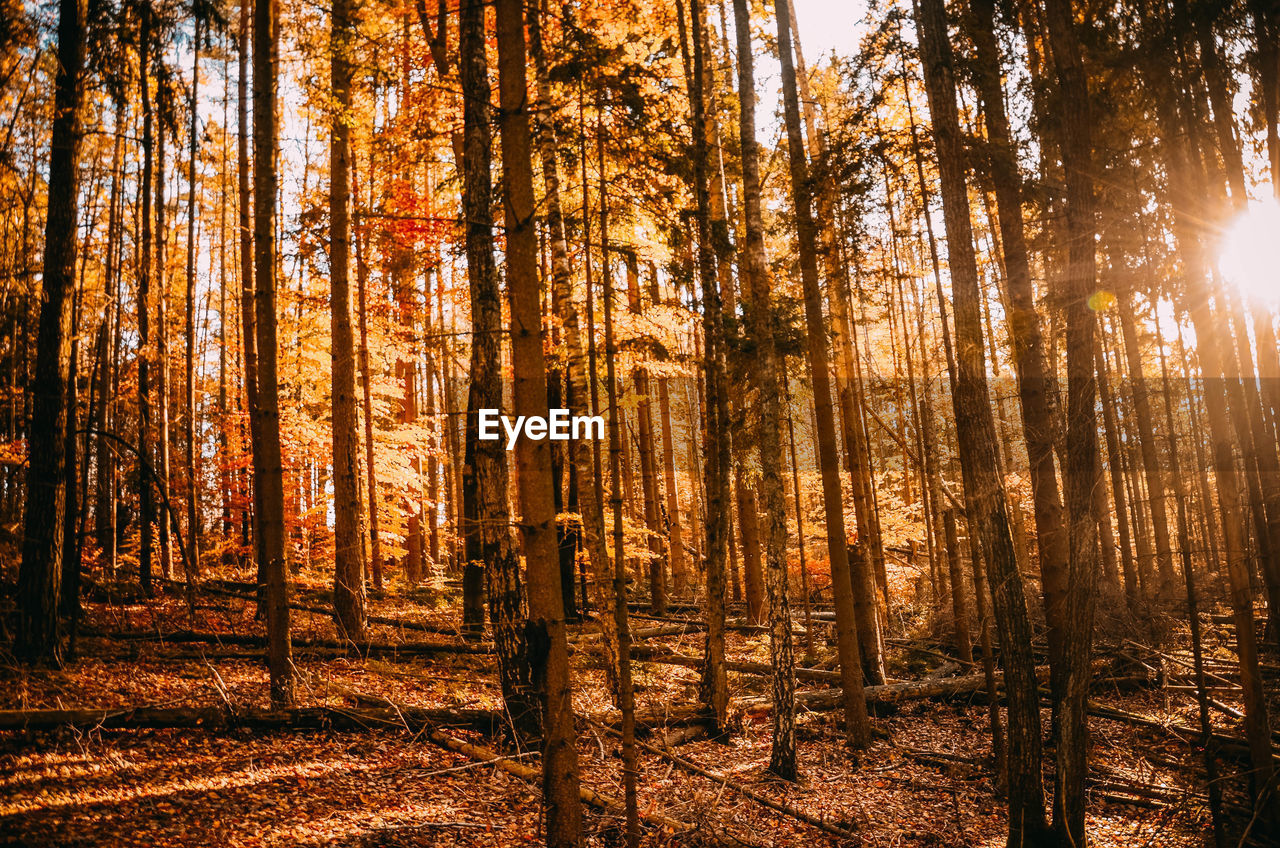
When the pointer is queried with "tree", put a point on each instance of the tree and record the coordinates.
(759, 312)
(40, 573)
(268, 467)
(857, 727)
(1080, 469)
(490, 554)
(348, 549)
(976, 435)
(546, 627)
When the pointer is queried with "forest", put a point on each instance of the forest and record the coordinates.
(728, 423)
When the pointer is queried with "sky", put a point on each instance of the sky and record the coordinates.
(828, 24)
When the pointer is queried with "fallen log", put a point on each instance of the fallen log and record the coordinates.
(818, 700)
(254, 640)
(328, 611)
(663, 657)
(298, 718)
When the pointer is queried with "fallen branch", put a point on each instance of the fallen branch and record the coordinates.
(253, 640)
(298, 718)
(663, 657)
(829, 699)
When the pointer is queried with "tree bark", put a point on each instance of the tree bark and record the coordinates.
(268, 467)
(857, 726)
(348, 544)
(976, 434)
(40, 572)
(758, 311)
(546, 627)
(491, 556)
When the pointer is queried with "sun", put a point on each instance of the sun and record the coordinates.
(1249, 256)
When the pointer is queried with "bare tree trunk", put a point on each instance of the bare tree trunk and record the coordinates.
(975, 432)
(146, 508)
(491, 556)
(348, 545)
(592, 510)
(1080, 466)
(550, 658)
(39, 637)
(716, 450)
(189, 413)
(675, 531)
(366, 378)
(268, 467)
(248, 294)
(857, 726)
(758, 310)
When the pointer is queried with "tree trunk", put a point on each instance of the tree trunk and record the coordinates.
(758, 310)
(348, 543)
(975, 432)
(39, 637)
(1080, 466)
(268, 467)
(189, 402)
(857, 726)
(716, 449)
(589, 486)
(546, 627)
(491, 556)
(146, 507)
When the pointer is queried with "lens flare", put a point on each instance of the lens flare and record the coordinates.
(1249, 257)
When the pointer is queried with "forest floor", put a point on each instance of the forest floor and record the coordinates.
(926, 780)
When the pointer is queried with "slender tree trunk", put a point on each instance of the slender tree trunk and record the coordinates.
(491, 556)
(717, 443)
(546, 627)
(1080, 468)
(39, 637)
(189, 413)
(146, 508)
(268, 467)
(975, 432)
(348, 545)
(758, 311)
(857, 726)
(589, 486)
(249, 291)
(366, 381)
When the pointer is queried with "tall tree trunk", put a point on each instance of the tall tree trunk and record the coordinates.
(589, 487)
(546, 627)
(758, 311)
(648, 460)
(976, 434)
(189, 412)
(39, 637)
(491, 556)
(626, 690)
(249, 290)
(366, 381)
(1080, 468)
(1036, 384)
(857, 726)
(146, 507)
(717, 442)
(348, 545)
(268, 466)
